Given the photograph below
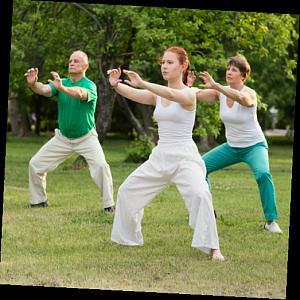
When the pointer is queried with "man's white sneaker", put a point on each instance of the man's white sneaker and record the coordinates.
(273, 227)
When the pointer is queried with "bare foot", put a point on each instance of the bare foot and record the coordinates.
(217, 255)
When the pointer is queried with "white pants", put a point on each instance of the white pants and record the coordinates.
(181, 165)
(56, 150)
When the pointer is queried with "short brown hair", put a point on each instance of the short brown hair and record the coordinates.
(241, 63)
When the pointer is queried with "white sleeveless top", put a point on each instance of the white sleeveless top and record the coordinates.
(241, 125)
(175, 124)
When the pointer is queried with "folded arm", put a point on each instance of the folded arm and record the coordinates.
(247, 97)
(73, 91)
(185, 97)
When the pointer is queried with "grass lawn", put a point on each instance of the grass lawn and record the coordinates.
(68, 244)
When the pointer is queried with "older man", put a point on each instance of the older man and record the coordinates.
(76, 99)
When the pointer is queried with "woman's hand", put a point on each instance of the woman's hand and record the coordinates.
(209, 82)
(191, 77)
(114, 77)
(134, 79)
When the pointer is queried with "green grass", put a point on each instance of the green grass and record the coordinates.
(68, 244)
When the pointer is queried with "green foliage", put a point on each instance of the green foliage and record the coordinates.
(260, 104)
(44, 34)
(140, 148)
(208, 122)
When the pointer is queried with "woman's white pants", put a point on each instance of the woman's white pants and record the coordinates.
(182, 165)
(56, 150)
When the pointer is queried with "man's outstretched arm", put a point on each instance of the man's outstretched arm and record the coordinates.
(37, 87)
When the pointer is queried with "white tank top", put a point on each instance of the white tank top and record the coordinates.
(241, 125)
(175, 124)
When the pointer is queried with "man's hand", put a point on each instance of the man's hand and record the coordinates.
(57, 82)
(32, 76)
(37, 87)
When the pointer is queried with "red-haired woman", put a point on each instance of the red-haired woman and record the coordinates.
(174, 160)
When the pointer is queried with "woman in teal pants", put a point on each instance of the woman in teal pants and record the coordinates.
(245, 141)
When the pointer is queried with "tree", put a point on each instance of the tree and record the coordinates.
(135, 37)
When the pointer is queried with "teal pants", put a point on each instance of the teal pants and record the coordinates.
(256, 157)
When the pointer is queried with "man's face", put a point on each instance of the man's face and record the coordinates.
(77, 63)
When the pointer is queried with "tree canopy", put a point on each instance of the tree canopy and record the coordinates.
(45, 33)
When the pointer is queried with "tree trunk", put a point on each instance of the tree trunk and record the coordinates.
(13, 114)
(37, 109)
(105, 104)
(18, 116)
(78, 163)
(204, 143)
(147, 114)
(24, 124)
(22, 100)
(126, 110)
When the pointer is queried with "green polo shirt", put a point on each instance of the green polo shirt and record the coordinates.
(75, 116)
